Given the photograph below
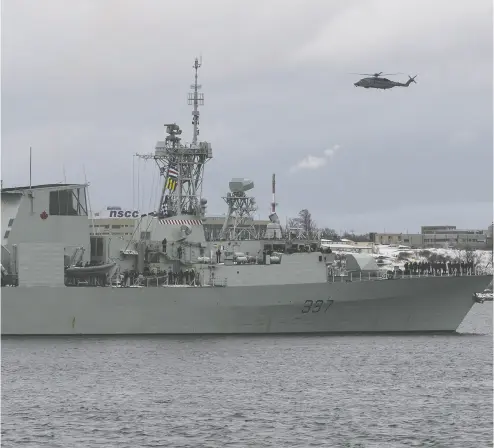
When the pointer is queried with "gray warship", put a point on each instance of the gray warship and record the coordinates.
(168, 278)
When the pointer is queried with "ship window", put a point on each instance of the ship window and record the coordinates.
(80, 201)
(61, 203)
(68, 202)
(11, 221)
(7, 233)
(145, 235)
(96, 247)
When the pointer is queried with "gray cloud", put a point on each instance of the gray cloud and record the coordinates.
(90, 84)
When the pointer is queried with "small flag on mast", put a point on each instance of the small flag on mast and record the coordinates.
(172, 170)
(171, 184)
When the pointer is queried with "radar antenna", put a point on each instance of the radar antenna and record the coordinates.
(182, 165)
(196, 99)
(239, 221)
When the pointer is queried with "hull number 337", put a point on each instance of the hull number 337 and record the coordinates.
(318, 305)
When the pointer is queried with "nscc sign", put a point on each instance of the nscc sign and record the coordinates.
(124, 214)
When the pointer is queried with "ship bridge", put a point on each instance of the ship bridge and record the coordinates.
(46, 214)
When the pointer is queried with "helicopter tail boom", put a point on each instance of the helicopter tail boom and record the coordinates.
(410, 80)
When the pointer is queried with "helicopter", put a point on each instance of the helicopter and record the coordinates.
(376, 82)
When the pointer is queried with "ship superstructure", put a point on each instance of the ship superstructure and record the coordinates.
(167, 279)
(239, 220)
(182, 165)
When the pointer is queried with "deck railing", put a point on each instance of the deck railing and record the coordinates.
(165, 280)
(341, 275)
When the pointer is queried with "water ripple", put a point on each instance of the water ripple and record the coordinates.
(382, 391)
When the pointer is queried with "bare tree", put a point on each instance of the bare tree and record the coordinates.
(329, 234)
(308, 224)
(357, 237)
(296, 229)
(293, 222)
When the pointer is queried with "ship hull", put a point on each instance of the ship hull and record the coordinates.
(436, 304)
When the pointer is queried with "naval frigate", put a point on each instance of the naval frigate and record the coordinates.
(168, 278)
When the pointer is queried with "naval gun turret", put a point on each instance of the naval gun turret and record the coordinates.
(239, 221)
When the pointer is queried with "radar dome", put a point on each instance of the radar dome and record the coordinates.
(204, 201)
(238, 185)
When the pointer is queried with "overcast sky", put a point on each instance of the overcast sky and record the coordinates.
(88, 84)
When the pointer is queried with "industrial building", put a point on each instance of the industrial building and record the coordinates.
(406, 239)
(439, 236)
(213, 224)
(109, 223)
(113, 226)
(125, 227)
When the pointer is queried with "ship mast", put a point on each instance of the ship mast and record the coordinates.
(196, 99)
(182, 165)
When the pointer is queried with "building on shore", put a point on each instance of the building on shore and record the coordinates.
(489, 237)
(113, 226)
(213, 225)
(406, 239)
(125, 226)
(438, 237)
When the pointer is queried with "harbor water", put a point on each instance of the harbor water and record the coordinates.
(282, 391)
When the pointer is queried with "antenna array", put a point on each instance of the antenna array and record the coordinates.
(182, 165)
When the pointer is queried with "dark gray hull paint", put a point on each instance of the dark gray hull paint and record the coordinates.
(427, 304)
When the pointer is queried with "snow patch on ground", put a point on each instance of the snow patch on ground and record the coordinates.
(390, 255)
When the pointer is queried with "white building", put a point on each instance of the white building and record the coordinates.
(405, 239)
(113, 226)
(438, 236)
(450, 236)
(124, 223)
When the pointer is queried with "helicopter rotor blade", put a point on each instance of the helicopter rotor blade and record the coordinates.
(364, 74)
(377, 74)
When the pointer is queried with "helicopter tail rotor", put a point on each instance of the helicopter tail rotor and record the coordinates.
(410, 80)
